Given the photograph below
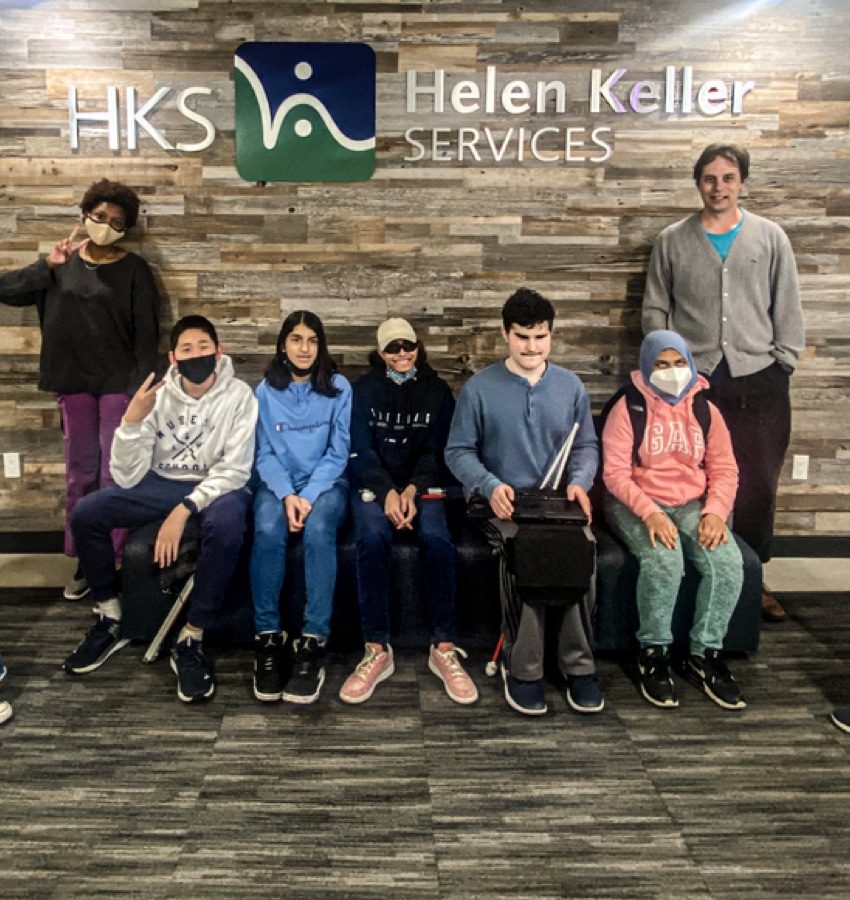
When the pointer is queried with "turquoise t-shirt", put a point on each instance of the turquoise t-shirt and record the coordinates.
(722, 243)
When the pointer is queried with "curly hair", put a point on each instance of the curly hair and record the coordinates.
(105, 191)
(525, 308)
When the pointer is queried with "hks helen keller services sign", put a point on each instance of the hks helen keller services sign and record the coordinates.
(305, 112)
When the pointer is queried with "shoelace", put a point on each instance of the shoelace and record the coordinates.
(365, 666)
(453, 664)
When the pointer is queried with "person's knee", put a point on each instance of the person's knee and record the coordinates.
(660, 561)
(269, 527)
(88, 512)
(320, 532)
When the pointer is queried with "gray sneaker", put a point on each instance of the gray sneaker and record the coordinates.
(77, 587)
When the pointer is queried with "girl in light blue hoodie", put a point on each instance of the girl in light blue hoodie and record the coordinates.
(302, 452)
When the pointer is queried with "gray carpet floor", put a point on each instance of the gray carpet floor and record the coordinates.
(110, 787)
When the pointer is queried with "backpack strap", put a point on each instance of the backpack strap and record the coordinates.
(636, 407)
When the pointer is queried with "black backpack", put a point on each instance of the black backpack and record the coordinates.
(636, 405)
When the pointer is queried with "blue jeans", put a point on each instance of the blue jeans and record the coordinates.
(223, 525)
(268, 559)
(661, 570)
(374, 534)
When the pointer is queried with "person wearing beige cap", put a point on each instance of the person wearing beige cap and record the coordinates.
(400, 420)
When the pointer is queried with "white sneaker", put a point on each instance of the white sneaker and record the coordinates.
(5, 711)
(77, 587)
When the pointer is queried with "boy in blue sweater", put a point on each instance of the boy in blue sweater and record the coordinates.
(509, 424)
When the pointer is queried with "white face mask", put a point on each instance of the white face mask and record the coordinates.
(671, 381)
(102, 233)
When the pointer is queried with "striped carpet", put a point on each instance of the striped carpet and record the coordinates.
(112, 788)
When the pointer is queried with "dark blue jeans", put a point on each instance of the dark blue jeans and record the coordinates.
(223, 525)
(438, 562)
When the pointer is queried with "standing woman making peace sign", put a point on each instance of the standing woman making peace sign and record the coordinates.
(98, 308)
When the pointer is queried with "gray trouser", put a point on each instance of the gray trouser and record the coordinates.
(523, 625)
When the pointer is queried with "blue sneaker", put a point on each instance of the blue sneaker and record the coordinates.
(525, 697)
(3, 669)
(584, 694)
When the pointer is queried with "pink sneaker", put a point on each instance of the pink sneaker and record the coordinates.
(447, 667)
(376, 666)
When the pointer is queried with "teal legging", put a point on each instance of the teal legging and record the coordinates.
(661, 570)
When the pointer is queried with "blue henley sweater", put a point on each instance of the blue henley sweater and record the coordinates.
(506, 431)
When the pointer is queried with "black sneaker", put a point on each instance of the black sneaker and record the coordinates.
(656, 681)
(101, 641)
(526, 697)
(709, 674)
(194, 679)
(77, 587)
(308, 671)
(269, 674)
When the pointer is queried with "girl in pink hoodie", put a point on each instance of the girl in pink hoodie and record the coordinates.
(670, 503)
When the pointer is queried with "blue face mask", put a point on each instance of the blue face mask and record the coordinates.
(400, 377)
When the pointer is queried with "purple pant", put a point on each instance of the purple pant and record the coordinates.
(88, 424)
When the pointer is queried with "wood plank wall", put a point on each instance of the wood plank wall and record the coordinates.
(442, 243)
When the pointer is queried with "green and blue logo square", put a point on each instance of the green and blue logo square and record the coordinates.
(305, 111)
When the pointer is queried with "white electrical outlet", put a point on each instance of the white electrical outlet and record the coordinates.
(800, 467)
(12, 465)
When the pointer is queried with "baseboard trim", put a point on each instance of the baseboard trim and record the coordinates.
(32, 542)
(825, 546)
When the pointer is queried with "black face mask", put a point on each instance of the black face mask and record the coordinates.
(301, 373)
(197, 369)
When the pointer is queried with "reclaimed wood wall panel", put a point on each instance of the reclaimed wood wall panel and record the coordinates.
(443, 243)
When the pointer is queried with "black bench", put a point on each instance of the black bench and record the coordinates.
(146, 600)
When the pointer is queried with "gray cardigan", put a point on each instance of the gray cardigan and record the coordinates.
(746, 308)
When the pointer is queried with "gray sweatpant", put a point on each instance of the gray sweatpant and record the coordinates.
(523, 625)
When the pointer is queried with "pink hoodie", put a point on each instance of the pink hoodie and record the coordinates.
(670, 456)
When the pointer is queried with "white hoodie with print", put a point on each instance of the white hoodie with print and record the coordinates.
(208, 439)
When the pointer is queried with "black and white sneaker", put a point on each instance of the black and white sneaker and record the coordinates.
(308, 671)
(101, 641)
(709, 674)
(656, 681)
(194, 679)
(77, 587)
(269, 666)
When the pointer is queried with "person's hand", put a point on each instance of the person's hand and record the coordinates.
(297, 509)
(64, 250)
(578, 494)
(407, 502)
(142, 402)
(712, 532)
(168, 537)
(392, 508)
(501, 501)
(660, 525)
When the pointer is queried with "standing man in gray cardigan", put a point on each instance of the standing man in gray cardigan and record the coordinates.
(726, 280)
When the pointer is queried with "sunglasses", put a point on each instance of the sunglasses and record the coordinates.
(397, 346)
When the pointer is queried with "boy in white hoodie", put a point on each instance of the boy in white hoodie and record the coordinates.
(184, 447)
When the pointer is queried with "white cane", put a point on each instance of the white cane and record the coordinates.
(152, 653)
